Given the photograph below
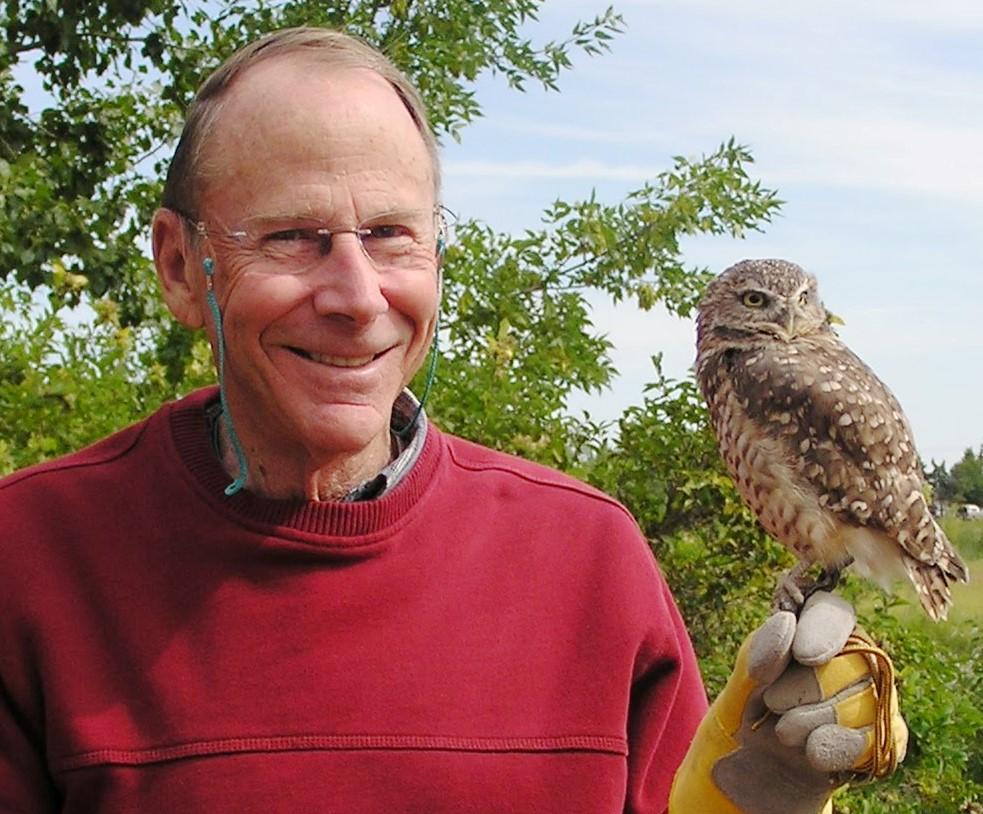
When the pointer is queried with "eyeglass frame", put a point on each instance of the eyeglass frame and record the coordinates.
(442, 223)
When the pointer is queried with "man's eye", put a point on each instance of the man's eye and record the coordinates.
(388, 231)
(290, 235)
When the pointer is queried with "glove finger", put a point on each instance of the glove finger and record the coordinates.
(770, 649)
(825, 623)
(794, 727)
(801, 685)
(853, 708)
(833, 748)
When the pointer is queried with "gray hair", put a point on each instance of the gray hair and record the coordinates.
(325, 46)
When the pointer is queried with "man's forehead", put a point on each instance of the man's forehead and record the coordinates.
(295, 84)
(289, 113)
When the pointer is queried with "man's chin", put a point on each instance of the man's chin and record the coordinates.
(352, 428)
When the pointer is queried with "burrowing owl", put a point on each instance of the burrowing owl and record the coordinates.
(816, 443)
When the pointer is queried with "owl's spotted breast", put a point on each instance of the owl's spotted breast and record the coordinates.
(767, 472)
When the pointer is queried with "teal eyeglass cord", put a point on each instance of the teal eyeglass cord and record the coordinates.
(428, 384)
(432, 368)
(240, 481)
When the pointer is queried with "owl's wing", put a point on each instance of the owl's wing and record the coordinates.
(846, 435)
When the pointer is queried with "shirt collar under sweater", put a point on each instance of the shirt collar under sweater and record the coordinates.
(408, 477)
(407, 430)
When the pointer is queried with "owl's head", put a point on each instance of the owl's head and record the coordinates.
(760, 300)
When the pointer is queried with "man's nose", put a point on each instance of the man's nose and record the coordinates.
(348, 283)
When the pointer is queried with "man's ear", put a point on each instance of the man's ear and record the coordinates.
(177, 268)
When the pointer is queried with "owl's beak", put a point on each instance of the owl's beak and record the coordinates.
(790, 323)
(798, 315)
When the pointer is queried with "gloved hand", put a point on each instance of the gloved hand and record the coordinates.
(811, 705)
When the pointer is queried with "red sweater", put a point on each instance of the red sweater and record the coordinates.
(491, 636)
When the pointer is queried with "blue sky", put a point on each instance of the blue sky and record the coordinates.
(868, 120)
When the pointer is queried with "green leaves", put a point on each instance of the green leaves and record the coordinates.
(631, 249)
(663, 464)
(82, 176)
(517, 338)
(514, 344)
(71, 376)
(967, 478)
(940, 675)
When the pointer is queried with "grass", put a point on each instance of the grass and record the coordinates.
(939, 676)
(966, 536)
(967, 600)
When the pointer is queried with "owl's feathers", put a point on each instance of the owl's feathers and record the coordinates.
(817, 444)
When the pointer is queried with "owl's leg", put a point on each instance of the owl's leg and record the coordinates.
(793, 588)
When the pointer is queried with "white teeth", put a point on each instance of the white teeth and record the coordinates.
(341, 361)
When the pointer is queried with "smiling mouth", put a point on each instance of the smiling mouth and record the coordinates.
(335, 361)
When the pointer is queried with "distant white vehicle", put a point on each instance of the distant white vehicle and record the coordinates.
(969, 510)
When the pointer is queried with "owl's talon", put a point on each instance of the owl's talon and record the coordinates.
(792, 590)
(829, 578)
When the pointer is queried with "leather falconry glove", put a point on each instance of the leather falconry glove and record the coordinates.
(811, 705)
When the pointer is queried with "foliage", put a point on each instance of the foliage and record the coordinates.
(517, 337)
(65, 382)
(940, 676)
(79, 180)
(967, 478)
(963, 483)
(664, 466)
(941, 483)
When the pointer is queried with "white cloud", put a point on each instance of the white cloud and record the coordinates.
(947, 14)
(592, 170)
(885, 153)
(574, 132)
(893, 154)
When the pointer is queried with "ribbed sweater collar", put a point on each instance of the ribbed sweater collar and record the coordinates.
(358, 521)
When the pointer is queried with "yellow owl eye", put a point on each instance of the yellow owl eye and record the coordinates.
(753, 299)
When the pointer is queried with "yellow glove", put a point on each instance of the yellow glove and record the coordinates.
(811, 705)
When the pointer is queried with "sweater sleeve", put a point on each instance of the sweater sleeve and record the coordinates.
(668, 701)
(25, 783)
(25, 787)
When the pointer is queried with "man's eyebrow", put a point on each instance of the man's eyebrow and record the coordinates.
(283, 216)
(310, 216)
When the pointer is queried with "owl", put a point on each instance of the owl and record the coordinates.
(816, 444)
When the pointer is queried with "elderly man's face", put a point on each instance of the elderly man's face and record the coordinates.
(315, 359)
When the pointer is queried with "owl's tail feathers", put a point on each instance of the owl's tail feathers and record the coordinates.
(955, 568)
(931, 581)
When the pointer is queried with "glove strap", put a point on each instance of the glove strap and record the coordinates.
(884, 757)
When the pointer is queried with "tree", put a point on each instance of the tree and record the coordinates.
(517, 339)
(79, 180)
(82, 177)
(967, 478)
(943, 486)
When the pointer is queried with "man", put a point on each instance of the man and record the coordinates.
(292, 593)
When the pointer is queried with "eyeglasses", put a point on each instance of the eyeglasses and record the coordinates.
(292, 245)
